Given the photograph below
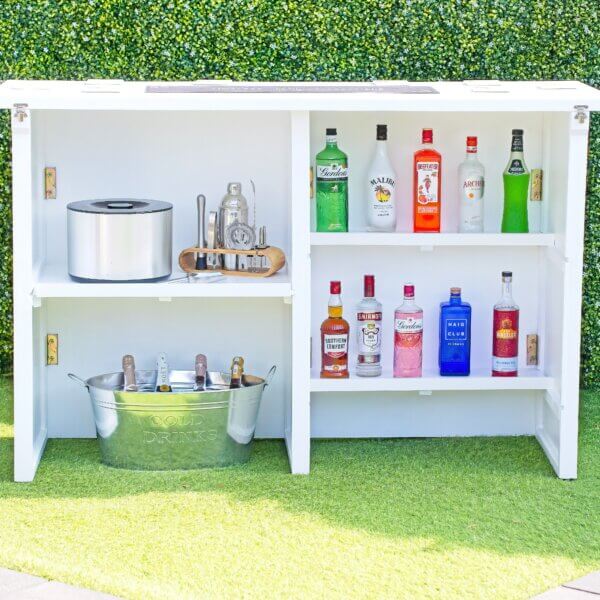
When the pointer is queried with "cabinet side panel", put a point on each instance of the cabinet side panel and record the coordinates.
(298, 434)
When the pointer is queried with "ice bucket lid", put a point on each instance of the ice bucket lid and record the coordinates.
(119, 206)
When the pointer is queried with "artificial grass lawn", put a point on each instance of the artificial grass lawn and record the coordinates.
(397, 518)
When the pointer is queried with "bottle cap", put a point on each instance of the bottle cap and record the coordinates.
(331, 131)
(506, 273)
(201, 365)
(409, 290)
(472, 143)
(234, 188)
(335, 287)
(369, 286)
(427, 136)
(382, 132)
(517, 132)
(128, 361)
(455, 291)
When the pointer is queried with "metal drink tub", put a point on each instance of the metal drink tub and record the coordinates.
(182, 429)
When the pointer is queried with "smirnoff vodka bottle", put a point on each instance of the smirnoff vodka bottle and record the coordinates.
(505, 349)
(381, 183)
(471, 184)
(368, 318)
(408, 336)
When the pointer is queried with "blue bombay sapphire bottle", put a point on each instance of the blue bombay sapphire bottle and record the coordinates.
(455, 335)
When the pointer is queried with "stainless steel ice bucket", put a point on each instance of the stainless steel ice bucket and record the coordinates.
(119, 239)
(181, 429)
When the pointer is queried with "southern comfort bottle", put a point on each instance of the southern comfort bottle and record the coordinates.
(334, 337)
(505, 349)
(408, 336)
(427, 186)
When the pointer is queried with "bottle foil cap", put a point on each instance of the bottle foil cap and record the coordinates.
(335, 287)
(369, 286)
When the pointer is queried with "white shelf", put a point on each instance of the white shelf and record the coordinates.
(54, 282)
(432, 239)
(529, 379)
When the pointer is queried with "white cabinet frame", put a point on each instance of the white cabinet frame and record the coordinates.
(551, 392)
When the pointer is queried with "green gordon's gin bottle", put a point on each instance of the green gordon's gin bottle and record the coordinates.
(516, 188)
(332, 186)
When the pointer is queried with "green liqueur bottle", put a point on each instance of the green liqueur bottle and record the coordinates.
(332, 186)
(516, 188)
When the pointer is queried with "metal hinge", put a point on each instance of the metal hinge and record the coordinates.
(581, 112)
(20, 112)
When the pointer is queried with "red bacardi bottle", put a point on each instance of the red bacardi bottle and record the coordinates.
(505, 351)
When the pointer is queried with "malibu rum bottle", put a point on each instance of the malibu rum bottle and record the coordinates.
(505, 349)
(334, 337)
(381, 183)
(332, 186)
(516, 188)
(427, 186)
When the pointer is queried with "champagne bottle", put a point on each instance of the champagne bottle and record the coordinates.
(200, 373)
(162, 374)
(237, 371)
(129, 382)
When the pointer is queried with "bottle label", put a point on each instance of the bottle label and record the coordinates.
(332, 172)
(472, 188)
(408, 324)
(369, 332)
(335, 345)
(506, 341)
(455, 330)
(427, 183)
(516, 167)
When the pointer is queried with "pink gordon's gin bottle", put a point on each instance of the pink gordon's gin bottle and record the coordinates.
(408, 336)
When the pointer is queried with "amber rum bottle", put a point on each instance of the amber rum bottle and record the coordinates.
(334, 337)
(427, 186)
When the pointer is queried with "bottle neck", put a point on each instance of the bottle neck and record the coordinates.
(455, 299)
(506, 290)
(331, 141)
(381, 147)
(516, 147)
(334, 308)
(409, 301)
(471, 155)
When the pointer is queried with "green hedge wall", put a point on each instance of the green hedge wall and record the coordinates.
(306, 40)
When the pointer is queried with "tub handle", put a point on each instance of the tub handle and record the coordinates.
(78, 380)
(270, 375)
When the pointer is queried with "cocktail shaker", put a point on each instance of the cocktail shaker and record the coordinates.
(233, 209)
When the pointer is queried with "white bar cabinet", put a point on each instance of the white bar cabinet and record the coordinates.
(171, 141)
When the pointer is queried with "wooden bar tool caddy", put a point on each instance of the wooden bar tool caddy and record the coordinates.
(275, 256)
